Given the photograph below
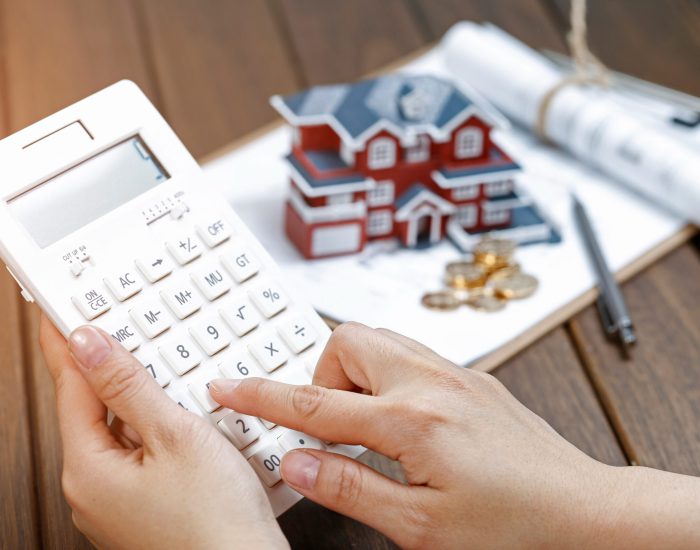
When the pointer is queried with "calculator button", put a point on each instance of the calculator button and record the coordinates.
(181, 354)
(182, 299)
(185, 248)
(241, 263)
(241, 429)
(214, 232)
(266, 463)
(298, 334)
(76, 267)
(270, 352)
(124, 284)
(269, 425)
(186, 402)
(212, 280)
(269, 298)
(126, 334)
(238, 363)
(92, 302)
(155, 266)
(240, 314)
(152, 317)
(200, 391)
(156, 368)
(211, 334)
(296, 440)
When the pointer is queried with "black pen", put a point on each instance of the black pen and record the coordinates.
(611, 305)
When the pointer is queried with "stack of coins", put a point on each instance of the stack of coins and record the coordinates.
(485, 284)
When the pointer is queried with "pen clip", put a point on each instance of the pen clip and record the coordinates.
(608, 322)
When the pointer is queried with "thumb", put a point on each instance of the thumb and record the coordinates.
(346, 486)
(120, 382)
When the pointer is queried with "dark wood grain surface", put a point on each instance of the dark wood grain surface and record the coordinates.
(209, 65)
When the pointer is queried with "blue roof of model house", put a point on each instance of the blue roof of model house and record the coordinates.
(403, 100)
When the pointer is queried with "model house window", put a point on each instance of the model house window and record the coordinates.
(498, 188)
(466, 215)
(382, 194)
(379, 222)
(420, 152)
(469, 143)
(382, 153)
(347, 154)
(465, 192)
(340, 198)
(495, 216)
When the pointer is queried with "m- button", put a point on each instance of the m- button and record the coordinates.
(214, 232)
(92, 302)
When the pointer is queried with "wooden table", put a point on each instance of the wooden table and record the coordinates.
(210, 65)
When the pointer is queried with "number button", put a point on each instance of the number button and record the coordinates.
(214, 232)
(269, 351)
(242, 264)
(125, 284)
(182, 299)
(186, 402)
(240, 314)
(156, 368)
(296, 440)
(269, 298)
(238, 364)
(298, 334)
(152, 317)
(241, 429)
(92, 302)
(200, 390)
(212, 334)
(185, 248)
(266, 463)
(155, 266)
(212, 280)
(181, 354)
(125, 333)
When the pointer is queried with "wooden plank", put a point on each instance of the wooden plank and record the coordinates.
(18, 507)
(216, 65)
(664, 33)
(336, 41)
(653, 399)
(56, 53)
(549, 379)
(528, 20)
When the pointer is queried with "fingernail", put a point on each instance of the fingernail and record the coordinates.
(300, 469)
(89, 347)
(223, 385)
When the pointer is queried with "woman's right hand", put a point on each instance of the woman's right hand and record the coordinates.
(482, 470)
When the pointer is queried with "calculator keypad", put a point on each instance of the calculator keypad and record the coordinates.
(201, 308)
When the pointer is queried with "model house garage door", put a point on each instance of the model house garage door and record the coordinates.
(338, 239)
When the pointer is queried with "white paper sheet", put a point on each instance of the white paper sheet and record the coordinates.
(385, 290)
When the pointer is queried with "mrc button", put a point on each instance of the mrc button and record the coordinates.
(92, 301)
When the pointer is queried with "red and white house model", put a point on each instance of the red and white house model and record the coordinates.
(399, 156)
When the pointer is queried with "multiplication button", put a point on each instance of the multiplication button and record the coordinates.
(270, 352)
(185, 248)
(92, 302)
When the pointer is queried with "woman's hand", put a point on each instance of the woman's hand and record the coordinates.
(482, 470)
(160, 477)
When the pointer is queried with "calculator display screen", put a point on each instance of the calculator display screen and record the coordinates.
(82, 194)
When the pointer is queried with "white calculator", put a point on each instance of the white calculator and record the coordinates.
(105, 218)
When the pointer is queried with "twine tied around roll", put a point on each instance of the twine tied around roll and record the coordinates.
(588, 69)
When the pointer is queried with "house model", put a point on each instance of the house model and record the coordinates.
(400, 156)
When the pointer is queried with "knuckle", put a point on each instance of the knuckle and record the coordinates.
(421, 525)
(348, 485)
(123, 382)
(306, 401)
(348, 333)
(421, 414)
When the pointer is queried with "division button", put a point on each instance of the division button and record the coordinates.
(298, 334)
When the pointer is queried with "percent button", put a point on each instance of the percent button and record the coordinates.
(269, 298)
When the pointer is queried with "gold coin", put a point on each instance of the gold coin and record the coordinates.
(520, 285)
(505, 271)
(495, 247)
(487, 303)
(443, 300)
(461, 294)
(464, 275)
(481, 291)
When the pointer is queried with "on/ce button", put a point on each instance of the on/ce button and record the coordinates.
(92, 302)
